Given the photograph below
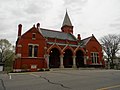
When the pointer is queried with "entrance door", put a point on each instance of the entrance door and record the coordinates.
(67, 60)
(79, 59)
(54, 59)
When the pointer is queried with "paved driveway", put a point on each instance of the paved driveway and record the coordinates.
(62, 80)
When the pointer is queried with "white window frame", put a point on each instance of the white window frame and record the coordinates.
(33, 45)
(95, 57)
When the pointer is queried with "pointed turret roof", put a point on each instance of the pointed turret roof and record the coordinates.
(67, 20)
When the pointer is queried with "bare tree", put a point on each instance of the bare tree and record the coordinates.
(111, 45)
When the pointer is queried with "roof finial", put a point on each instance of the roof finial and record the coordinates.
(66, 10)
(66, 20)
(34, 25)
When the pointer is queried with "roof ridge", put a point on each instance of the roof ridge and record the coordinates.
(87, 38)
(49, 30)
(53, 30)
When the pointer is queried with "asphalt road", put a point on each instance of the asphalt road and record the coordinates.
(62, 80)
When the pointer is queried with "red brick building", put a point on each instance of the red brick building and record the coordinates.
(43, 48)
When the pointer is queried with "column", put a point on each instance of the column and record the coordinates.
(47, 59)
(85, 60)
(74, 62)
(32, 50)
(61, 61)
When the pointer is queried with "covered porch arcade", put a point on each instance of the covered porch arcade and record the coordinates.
(69, 56)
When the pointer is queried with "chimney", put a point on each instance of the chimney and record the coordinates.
(38, 25)
(79, 38)
(19, 30)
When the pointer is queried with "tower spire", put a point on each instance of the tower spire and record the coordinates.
(67, 20)
(67, 25)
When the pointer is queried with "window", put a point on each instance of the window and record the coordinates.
(33, 50)
(94, 57)
(30, 50)
(33, 36)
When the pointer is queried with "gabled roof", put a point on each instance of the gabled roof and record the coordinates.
(57, 34)
(84, 42)
(67, 20)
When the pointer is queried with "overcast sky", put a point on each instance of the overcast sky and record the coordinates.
(98, 17)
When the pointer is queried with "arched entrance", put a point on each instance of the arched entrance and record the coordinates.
(79, 58)
(68, 60)
(54, 59)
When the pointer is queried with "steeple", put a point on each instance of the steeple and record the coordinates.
(67, 25)
(67, 20)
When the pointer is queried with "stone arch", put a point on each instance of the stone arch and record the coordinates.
(53, 46)
(67, 59)
(54, 58)
(79, 58)
(67, 47)
(79, 48)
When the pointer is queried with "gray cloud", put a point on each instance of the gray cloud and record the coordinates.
(80, 2)
(77, 4)
(115, 25)
(38, 8)
(50, 13)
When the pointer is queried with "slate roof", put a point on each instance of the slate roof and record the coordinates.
(83, 42)
(62, 44)
(67, 20)
(57, 34)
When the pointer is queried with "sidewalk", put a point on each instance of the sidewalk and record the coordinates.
(57, 69)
